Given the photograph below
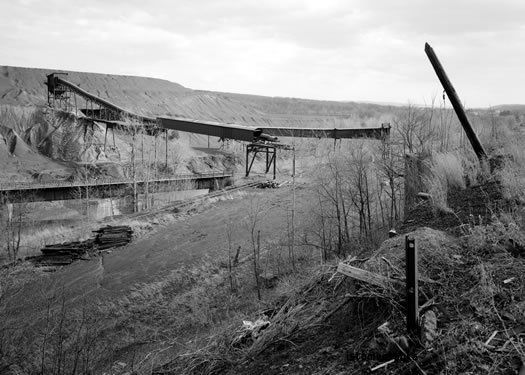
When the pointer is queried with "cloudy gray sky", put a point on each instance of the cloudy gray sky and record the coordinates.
(320, 49)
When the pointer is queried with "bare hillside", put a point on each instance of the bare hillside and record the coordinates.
(151, 96)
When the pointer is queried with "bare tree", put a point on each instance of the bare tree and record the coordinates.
(232, 262)
(415, 129)
(253, 219)
(390, 170)
(12, 218)
(358, 176)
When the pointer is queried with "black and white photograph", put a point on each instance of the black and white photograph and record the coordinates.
(245, 187)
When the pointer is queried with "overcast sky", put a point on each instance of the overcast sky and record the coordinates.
(354, 50)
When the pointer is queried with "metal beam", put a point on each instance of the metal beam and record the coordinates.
(246, 133)
(377, 133)
(216, 129)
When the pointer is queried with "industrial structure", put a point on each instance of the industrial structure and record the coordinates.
(64, 95)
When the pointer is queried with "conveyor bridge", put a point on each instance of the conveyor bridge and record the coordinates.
(64, 95)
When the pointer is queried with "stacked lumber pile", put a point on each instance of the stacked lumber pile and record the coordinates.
(75, 249)
(63, 254)
(269, 185)
(113, 236)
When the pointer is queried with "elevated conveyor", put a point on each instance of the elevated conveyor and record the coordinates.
(67, 96)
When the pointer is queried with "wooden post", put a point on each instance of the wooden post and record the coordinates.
(247, 159)
(411, 286)
(456, 103)
(76, 108)
(293, 157)
(105, 137)
(267, 169)
(166, 150)
(274, 162)
(156, 177)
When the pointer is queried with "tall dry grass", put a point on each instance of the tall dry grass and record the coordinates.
(512, 175)
(446, 172)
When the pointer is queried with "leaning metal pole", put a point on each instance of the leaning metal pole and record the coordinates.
(456, 103)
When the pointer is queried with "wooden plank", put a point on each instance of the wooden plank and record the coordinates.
(382, 365)
(366, 276)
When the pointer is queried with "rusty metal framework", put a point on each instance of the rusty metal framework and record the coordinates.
(271, 156)
(64, 95)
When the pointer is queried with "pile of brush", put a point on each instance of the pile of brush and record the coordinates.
(113, 236)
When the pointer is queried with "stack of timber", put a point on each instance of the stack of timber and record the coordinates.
(113, 236)
(269, 185)
(62, 254)
(65, 253)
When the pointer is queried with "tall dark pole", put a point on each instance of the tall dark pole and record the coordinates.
(456, 103)
(274, 161)
(267, 168)
(411, 285)
(247, 160)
